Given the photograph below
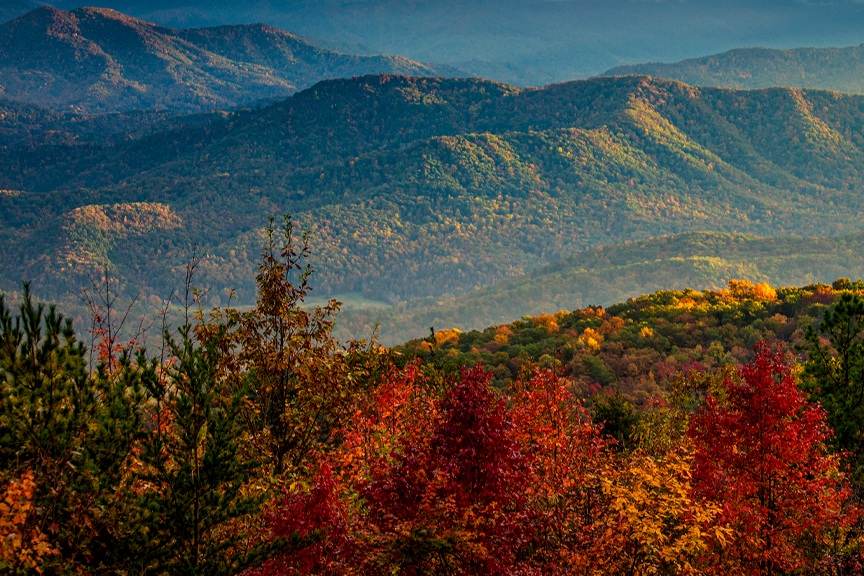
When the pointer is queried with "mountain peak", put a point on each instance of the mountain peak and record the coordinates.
(100, 60)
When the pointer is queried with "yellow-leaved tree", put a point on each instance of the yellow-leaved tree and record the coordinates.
(660, 526)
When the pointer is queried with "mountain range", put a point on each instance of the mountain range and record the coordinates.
(430, 187)
(98, 60)
(528, 42)
(840, 69)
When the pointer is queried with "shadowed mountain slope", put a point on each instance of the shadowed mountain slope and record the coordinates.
(28, 126)
(99, 60)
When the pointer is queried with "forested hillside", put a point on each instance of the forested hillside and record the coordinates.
(840, 69)
(613, 274)
(99, 60)
(638, 346)
(28, 126)
(417, 187)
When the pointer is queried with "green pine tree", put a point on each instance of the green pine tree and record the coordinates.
(196, 471)
(73, 431)
(834, 374)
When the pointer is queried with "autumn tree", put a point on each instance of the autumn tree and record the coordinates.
(298, 376)
(661, 527)
(760, 451)
(66, 443)
(438, 492)
(452, 498)
(569, 458)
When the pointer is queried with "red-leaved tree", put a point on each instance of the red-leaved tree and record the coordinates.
(453, 498)
(425, 485)
(568, 457)
(761, 453)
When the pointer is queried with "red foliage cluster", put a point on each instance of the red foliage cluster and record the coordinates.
(474, 482)
(761, 453)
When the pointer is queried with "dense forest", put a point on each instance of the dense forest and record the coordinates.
(29, 126)
(681, 432)
(612, 274)
(635, 346)
(419, 187)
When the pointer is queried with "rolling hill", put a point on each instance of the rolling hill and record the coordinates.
(612, 274)
(430, 187)
(840, 69)
(640, 347)
(98, 60)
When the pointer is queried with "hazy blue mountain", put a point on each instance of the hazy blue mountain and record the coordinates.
(532, 42)
(840, 69)
(10, 9)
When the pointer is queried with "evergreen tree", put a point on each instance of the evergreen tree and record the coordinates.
(617, 417)
(68, 437)
(195, 471)
(834, 374)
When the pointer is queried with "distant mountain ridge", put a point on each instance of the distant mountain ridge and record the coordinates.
(420, 189)
(613, 274)
(99, 60)
(528, 42)
(10, 9)
(840, 69)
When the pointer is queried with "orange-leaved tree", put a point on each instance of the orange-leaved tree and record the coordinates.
(661, 526)
(300, 379)
(569, 459)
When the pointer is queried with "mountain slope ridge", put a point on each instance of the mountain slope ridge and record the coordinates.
(99, 60)
(840, 69)
(423, 187)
